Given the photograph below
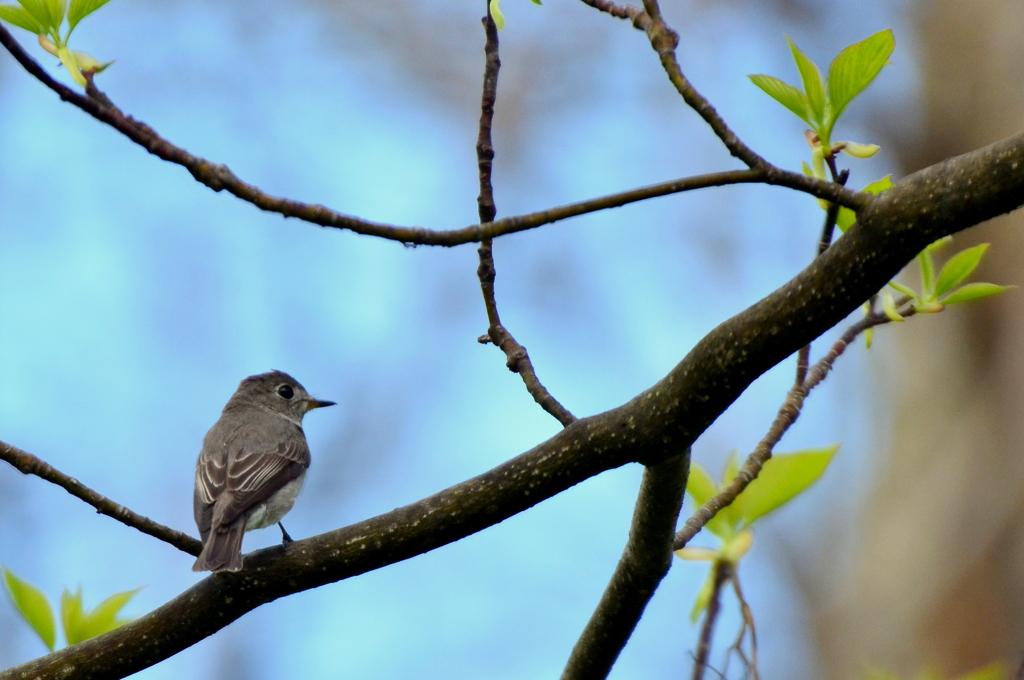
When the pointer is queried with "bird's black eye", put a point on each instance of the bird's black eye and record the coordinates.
(286, 391)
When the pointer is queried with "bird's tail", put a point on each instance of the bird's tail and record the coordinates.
(223, 549)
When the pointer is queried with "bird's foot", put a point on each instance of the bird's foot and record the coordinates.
(285, 538)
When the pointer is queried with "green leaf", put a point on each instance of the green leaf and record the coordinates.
(104, 617)
(906, 290)
(784, 93)
(71, 64)
(845, 219)
(959, 267)
(924, 259)
(814, 87)
(855, 67)
(973, 291)
(732, 466)
(71, 615)
(499, 18)
(21, 18)
(39, 11)
(700, 484)
(940, 244)
(889, 307)
(782, 477)
(83, 8)
(55, 10)
(730, 514)
(879, 185)
(879, 674)
(703, 596)
(994, 671)
(33, 606)
(702, 487)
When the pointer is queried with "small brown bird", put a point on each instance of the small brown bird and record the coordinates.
(252, 466)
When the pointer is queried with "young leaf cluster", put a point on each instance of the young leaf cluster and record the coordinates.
(45, 18)
(942, 289)
(782, 478)
(77, 622)
(820, 104)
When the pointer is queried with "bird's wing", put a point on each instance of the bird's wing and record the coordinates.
(253, 474)
(211, 475)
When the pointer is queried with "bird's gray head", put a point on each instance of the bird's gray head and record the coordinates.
(277, 392)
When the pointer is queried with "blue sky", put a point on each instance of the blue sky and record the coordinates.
(133, 300)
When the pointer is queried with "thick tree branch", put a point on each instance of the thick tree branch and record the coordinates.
(220, 178)
(644, 563)
(657, 424)
(31, 465)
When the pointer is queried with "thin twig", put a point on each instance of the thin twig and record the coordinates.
(748, 624)
(723, 570)
(786, 416)
(637, 16)
(831, 215)
(517, 358)
(31, 465)
(644, 562)
(219, 178)
(664, 41)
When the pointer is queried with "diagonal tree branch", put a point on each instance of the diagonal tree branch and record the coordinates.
(31, 465)
(784, 419)
(664, 41)
(644, 563)
(655, 425)
(220, 178)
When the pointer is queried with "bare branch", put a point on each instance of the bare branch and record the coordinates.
(644, 563)
(664, 40)
(723, 572)
(748, 625)
(637, 16)
(484, 146)
(219, 178)
(517, 358)
(31, 465)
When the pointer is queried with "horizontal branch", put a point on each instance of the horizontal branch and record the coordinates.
(31, 465)
(220, 178)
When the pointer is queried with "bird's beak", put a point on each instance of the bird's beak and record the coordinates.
(317, 403)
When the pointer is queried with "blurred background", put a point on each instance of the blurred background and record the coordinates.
(133, 300)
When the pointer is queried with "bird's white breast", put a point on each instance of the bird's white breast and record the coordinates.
(277, 506)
